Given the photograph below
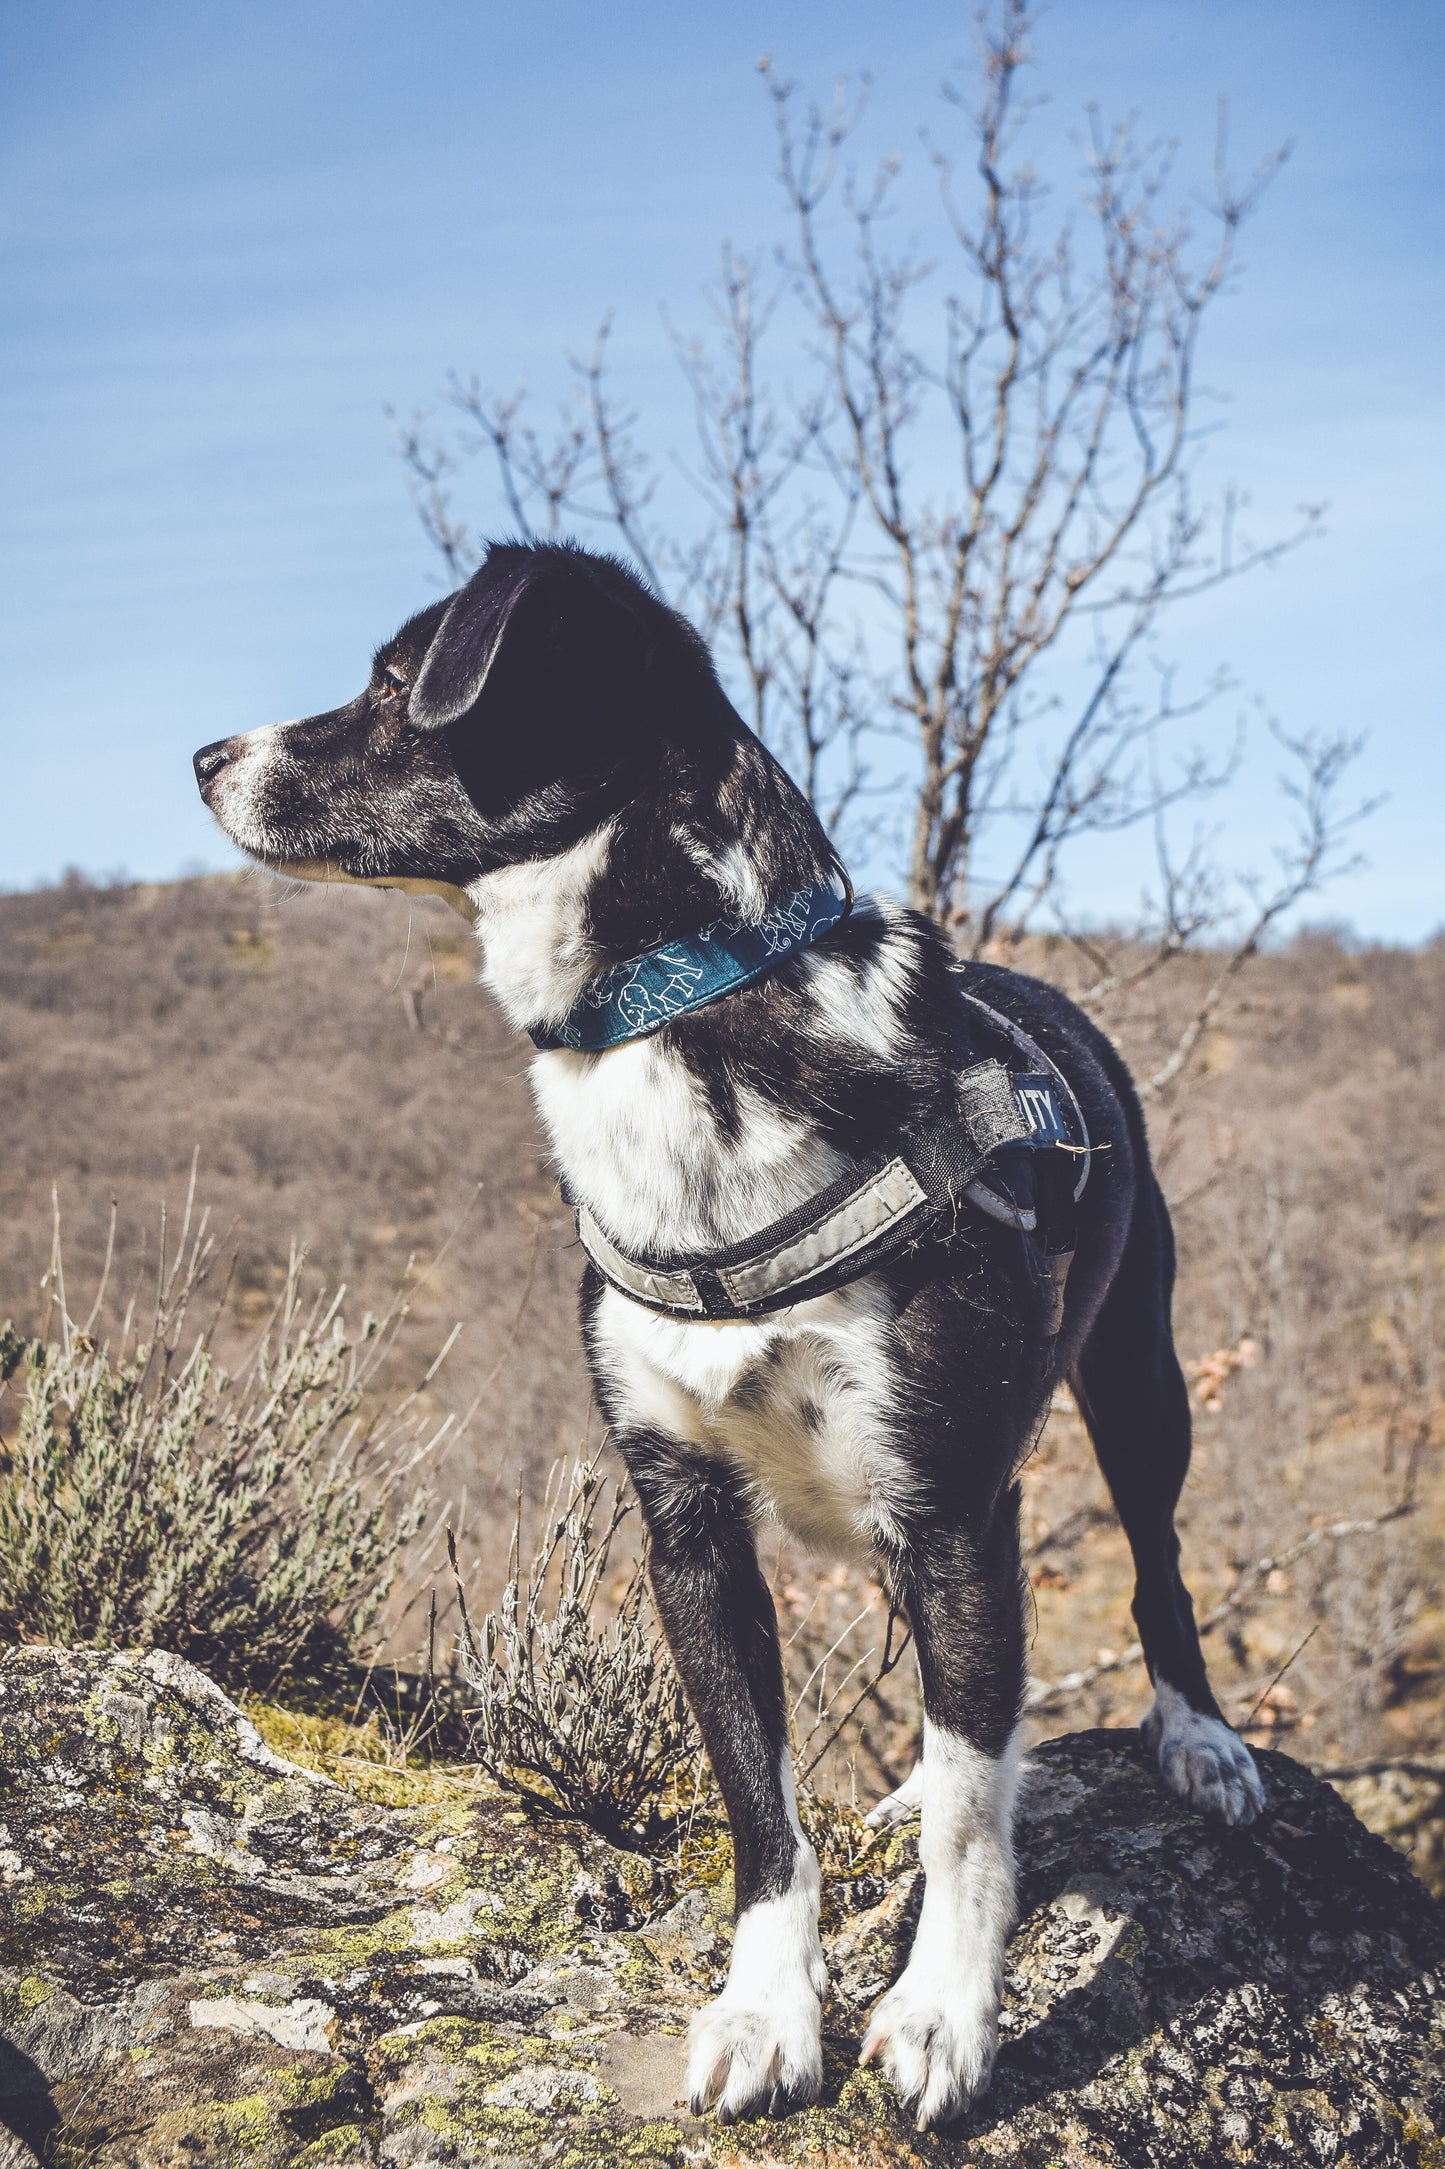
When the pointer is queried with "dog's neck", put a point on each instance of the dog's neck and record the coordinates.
(533, 921)
(547, 925)
(632, 1128)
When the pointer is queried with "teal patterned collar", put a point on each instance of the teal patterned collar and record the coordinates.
(633, 999)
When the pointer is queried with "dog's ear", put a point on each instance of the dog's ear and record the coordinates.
(537, 623)
(465, 646)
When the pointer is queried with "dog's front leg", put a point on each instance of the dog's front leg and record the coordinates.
(936, 2030)
(758, 2046)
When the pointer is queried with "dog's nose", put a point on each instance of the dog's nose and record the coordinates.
(212, 759)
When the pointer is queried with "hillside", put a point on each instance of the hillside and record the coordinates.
(345, 1085)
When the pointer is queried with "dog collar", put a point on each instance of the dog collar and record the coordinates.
(634, 999)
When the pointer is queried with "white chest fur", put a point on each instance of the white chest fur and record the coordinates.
(796, 1403)
(634, 1133)
(793, 1401)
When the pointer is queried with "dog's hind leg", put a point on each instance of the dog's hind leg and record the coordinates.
(1132, 1394)
(897, 1806)
(936, 2030)
(758, 2047)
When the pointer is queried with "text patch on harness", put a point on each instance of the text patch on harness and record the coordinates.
(1040, 1109)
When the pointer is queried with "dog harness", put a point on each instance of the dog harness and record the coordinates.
(1014, 1145)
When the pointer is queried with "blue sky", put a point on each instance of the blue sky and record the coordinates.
(233, 235)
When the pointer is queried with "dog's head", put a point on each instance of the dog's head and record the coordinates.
(502, 724)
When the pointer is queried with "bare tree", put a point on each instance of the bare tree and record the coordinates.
(937, 575)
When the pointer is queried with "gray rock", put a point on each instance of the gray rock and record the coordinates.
(208, 1957)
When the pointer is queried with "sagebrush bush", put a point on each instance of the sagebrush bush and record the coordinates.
(251, 1521)
(577, 1705)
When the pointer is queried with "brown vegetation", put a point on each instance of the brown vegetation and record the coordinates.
(347, 1085)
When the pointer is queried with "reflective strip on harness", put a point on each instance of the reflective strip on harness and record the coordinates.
(868, 1214)
(865, 1216)
(666, 1291)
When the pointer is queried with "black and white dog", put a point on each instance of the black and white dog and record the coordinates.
(549, 749)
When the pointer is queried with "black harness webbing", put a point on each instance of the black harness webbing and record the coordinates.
(869, 1215)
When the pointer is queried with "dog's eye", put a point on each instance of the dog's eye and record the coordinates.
(392, 687)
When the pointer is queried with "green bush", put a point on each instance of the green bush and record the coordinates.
(251, 1521)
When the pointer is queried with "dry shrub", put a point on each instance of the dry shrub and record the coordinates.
(852, 1679)
(269, 1030)
(251, 1521)
(577, 1705)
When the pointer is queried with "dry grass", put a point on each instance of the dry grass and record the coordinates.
(366, 1756)
(273, 1034)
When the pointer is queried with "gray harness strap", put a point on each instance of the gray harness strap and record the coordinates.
(868, 1213)
(844, 1231)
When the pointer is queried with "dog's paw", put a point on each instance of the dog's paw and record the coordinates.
(935, 2044)
(1202, 1759)
(756, 2056)
(896, 1807)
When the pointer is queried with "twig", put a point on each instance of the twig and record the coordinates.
(1044, 1692)
(516, 1325)
(1408, 1765)
(468, 1638)
(888, 1664)
(1279, 1675)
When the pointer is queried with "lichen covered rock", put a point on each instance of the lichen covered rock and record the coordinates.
(211, 1957)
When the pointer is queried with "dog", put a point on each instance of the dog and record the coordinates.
(550, 750)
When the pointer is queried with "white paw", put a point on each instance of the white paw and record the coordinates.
(936, 2044)
(759, 2057)
(896, 1807)
(1202, 1759)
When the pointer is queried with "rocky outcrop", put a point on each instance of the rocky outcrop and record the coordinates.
(209, 1956)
